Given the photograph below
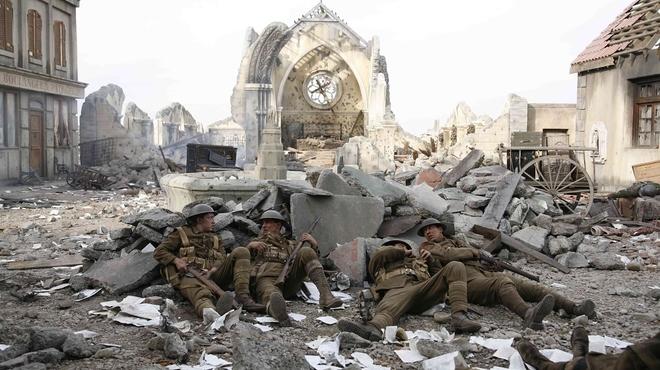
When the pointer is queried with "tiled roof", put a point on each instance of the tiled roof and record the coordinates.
(635, 29)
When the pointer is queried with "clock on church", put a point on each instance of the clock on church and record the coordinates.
(322, 89)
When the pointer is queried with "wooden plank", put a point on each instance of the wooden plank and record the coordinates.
(649, 171)
(494, 238)
(526, 248)
(42, 264)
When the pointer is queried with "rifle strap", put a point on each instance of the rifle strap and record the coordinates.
(184, 238)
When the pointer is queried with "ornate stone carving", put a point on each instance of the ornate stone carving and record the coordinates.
(265, 51)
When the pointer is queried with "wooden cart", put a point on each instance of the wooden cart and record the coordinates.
(555, 170)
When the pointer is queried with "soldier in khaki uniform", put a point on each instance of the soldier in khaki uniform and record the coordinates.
(488, 288)
(404, 285)
(197, 245)
(644, 355)
(270, 252)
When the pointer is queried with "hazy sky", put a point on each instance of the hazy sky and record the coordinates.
(439, 53)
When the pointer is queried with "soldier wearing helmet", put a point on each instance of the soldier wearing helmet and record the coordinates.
(403, 285)
(270, 252)
(198, 245)
(487, 287)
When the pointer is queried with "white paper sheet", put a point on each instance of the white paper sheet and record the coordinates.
(4, 347)
(409, 356)
(444, 362)
(492, 343)
(297, 316)
(390, 334)
(329, 320)
(266, 320)
(597, 344)
(263, 328)
(316, 343)
(556, 355)
(85, 294)
(87, 334)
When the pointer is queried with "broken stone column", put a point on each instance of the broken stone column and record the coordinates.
(270, 161)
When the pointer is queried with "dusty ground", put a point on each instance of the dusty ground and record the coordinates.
(85, 215)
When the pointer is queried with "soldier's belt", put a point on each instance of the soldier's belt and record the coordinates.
(278, 257)
(199, 262)
(394, 273)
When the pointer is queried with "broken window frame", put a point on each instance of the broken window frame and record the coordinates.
(34, 34)
(7, 26)
(59, 40)
(646, 116)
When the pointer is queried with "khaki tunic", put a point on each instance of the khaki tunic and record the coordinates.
(404, 286)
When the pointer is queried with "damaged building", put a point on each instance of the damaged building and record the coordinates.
(315, 79)
(38, 87)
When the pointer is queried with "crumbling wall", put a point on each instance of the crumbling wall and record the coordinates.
(100, 114)
(138, 123)
(174, 123)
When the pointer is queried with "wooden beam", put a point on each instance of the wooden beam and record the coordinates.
(527, 248)
(42, 264)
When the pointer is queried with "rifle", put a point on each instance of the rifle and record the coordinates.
(487, 257)
(213, 287)
(292, 257)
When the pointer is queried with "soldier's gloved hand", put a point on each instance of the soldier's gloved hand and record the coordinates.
(181, 264)
(425, 254)
(257, 247)
(305, 237)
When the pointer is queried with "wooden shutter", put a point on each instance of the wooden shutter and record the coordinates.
(63, 39)
(6, 23)
(31, 33)
(37, 34)
(58, 43)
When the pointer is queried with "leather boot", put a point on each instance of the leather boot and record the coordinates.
(461, 324)
(224, 304)
(580, 341)
(249, 304)
(277, 308)
(366, 331)
(242, 287)
(534, 316)
(316, 275)
(531, 355)
(586, 307)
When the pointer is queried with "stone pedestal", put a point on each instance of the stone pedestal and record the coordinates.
(270, 161)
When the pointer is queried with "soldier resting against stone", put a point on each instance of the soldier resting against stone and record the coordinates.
(488, 288)
(198, 246)
(404, 285)
(271, 251)
(644, 355)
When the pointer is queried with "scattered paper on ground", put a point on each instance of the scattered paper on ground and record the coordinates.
(263, 328)
(87, 334)
(409, 356)
(327, 320)
(492, 343)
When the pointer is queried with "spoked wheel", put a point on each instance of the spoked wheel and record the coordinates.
(562, 178)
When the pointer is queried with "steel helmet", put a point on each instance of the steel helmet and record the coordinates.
(272, 214)
(447, 228)
(396, 241)
(200, 209)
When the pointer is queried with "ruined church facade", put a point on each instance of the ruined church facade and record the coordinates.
(317, 78)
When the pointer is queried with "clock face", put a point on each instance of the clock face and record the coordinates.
(322, 89)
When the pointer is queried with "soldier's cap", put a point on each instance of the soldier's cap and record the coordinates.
(447, 227)
(396, 241)
(200, 209)
(272, 214)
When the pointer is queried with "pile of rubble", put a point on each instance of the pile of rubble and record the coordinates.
(140, 166)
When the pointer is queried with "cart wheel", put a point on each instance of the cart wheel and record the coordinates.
(562, 178)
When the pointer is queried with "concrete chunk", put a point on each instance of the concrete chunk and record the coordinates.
(304, 187)
(351, 259)
(452, 194)
(398, 225)
(156, 218)
(149, 233)
(495, 209)
(572, 260)
(255, 200)
(423, 198)
(374, 187)
(495, 170)
(563, 228)
(472, 160)
(430, 177)
(474, 201)
(343, 218)
(332, 182)
(121, 275)
(559, 245)
(533, 235)
(222, 220)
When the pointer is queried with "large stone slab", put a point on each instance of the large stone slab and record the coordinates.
(495, 170)
(351, 259)
(332, 182)
(121, 275)
(343, 218)
(398, 225)
(156, 218)
(294, 187)
(498, 204)
(466, 164)
(423, 198)
(452, 194)
(534, 235)
(373, 186)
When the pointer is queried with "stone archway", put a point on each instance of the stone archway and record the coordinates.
(339, 119)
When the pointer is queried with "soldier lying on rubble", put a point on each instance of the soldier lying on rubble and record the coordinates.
(196, 245)
(270, 252)
(488, 288)
(404, 285)
(644, 355)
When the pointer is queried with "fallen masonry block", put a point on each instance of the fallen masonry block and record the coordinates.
(246, 224)
(121, 275)
(124, 232)
(452, 194)
(373, 186)
(351, 259)
(295, 187)
(430, 177)
(474, 201)
(398, 225)
(342, 218)
(156, 218)
(332, 182)
(606, 261)
(222, 220)
(559, 245)
(149, 233)
(423, 198)
(473, 159)
(254, 201)
(495, 209)
(563, 228)
(573, 260)
(534, 235)
(217, 203)
(495, 170)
